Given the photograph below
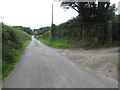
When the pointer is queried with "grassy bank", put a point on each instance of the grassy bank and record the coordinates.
(55, 43)
(75, 43)
(10, 66)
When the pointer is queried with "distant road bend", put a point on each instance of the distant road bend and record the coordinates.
(42, 67)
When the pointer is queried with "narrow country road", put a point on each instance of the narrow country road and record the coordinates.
(42, 67)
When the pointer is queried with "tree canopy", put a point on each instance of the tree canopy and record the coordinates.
(90, 11)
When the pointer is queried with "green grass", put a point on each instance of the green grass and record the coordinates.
(55, 43)
(117, 64)
(7, 70)
(10, 66)
(74, 43)
(26, 43)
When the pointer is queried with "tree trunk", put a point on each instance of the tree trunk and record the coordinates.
(109, 32)
(83, 33)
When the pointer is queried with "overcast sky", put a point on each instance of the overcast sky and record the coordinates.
(34, 13)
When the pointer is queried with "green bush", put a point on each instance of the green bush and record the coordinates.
(13, 40)
(91, 34)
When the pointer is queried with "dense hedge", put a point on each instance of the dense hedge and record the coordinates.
(116, 31)
(26, 29)
(13, 40)
(98, 34)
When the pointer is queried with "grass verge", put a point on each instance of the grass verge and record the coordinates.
(75, 43)
(55, 43)
(10, 66)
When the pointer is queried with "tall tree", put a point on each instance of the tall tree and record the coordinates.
(90, 11)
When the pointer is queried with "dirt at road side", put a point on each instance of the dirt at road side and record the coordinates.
(100, 60)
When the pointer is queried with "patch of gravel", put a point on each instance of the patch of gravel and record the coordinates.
(100, 60)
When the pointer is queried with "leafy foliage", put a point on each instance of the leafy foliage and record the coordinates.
(13, 40)
(88, 34)
(90, 11)
(96, 24)
(26, 29)
(42, 30)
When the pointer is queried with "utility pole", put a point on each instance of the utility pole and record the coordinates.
(52, 11)
(52, 31)
(52, 25)
(52, 15)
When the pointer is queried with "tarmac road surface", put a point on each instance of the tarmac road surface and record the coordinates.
(43, 67)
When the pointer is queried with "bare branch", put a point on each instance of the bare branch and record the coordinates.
(76, 9)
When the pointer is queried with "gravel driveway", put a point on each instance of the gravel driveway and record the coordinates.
(103, 60)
